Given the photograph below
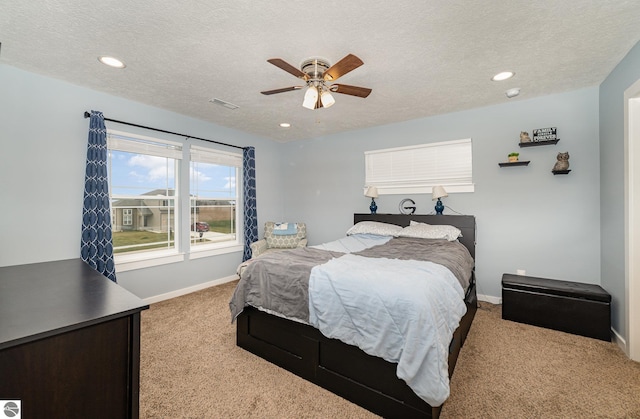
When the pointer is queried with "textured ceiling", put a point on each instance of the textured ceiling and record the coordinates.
(421, 58)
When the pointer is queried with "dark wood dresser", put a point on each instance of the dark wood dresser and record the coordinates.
(69, 342)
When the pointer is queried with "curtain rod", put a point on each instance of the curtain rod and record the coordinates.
(87, 115)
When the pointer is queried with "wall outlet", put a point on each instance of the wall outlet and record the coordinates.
(521, 272)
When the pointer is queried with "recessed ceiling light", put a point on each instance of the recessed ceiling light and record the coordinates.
(111, 62)
(503, 76)
(285, 124)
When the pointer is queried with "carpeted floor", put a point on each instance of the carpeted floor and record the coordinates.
(191, 368)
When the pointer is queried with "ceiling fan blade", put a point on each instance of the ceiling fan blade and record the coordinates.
(350, 90)
(342, 67)
(284, 89)
(280, 63)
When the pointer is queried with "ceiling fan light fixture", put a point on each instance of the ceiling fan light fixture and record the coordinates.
(310, 98)
(327, 99)
(316, 74)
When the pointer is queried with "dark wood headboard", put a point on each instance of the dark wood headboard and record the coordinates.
(466, 224)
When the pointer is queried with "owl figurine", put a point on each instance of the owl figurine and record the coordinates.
(524, 137)
(562, 163)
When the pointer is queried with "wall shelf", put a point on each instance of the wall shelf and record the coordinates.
(537, 143)
(561, 172)
(515, 163)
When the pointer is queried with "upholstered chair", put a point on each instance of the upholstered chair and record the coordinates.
(278, 238)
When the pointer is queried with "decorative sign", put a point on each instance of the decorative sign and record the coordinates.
(544, 134)
(405, 208)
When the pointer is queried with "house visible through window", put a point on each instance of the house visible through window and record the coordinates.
(159, 215)
(417, 169)
(143, 178)
(214, 192)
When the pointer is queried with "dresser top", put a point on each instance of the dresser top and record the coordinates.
(43, 299)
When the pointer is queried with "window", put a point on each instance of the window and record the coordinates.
(214, 191)
(143, 179)
(127, 216)
(159, 216)
(417, 169)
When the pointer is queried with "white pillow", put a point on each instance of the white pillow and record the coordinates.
(429, 231)
(374, 227)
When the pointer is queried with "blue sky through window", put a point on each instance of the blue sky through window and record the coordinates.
(134, 174)
(212, 181)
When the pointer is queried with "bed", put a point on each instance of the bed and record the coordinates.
(369, 381)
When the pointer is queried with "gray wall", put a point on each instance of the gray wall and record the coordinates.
(612, 90)
(527, 218)
(44, 140)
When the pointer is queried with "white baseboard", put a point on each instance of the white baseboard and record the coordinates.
(189, 290)
(490, 299)
(619, 340)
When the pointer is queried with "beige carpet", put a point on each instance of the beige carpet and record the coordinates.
(191, 368)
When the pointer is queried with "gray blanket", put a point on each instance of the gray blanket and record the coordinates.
(279, 282)
(450, 254)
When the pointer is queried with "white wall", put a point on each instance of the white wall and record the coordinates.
(44, 138)
(527, 218)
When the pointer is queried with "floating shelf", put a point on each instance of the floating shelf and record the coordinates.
(536, 143)
(515, 163)
(561, 172)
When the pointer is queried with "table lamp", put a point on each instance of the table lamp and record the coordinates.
(437, 193)
(372, 192)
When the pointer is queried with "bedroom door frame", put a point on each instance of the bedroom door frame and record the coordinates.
(632, 218)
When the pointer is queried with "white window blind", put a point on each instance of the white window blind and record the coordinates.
(417, 169)
(208, 155)
(143, 145)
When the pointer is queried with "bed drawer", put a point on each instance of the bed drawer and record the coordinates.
(337, 364)
(288, 348)
(577, 308)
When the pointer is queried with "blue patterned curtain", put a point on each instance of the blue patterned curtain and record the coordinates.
(97, 245)
(250, 211)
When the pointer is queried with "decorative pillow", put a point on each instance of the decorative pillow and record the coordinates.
(429, 231)
(374, 227)
(288, 241)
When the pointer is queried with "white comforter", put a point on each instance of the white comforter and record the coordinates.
(407, 316)
(354, 243)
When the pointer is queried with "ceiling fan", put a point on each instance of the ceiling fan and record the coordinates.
(317, 74)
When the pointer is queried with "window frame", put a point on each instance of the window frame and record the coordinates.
(144, 145)
(182, 205)
(208, 155)
(127, 216)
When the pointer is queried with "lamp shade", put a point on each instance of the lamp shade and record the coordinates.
(310, 98)
(372, 192)
(438, 192)
(327, 99)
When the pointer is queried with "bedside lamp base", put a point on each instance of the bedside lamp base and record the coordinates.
(373, 207)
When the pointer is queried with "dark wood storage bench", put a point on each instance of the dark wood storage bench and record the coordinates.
(572, 307)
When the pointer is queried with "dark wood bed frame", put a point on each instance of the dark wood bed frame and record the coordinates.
(346, 370)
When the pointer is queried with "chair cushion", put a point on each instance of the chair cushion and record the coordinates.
(289, 241)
